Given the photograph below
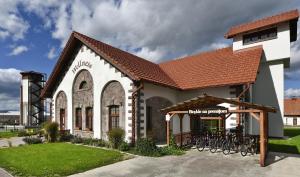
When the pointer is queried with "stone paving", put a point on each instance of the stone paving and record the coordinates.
(15, 141)
(204, 164)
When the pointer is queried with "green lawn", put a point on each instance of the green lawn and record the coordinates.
(55, 159)
(8, 134)
(290, 145)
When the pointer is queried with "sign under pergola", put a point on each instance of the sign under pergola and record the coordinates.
(205, 103)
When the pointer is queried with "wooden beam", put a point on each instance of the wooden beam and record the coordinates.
(255, 115)
(228, 115)
(262, 140)
(211, 118)
(181, 128)
(244, 111)
(168, 132)
(178, 112)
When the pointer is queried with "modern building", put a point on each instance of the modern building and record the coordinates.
(32, 105)
(95, 87)
(292, 112)
(9, 118)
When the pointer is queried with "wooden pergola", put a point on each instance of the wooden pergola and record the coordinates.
(258, 112)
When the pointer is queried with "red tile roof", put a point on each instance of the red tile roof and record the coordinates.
(268, 21)
(292, 107)
(214, 68)
(137, 68)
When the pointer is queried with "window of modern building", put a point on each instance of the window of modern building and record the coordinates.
(114, 116)
(78, 118)
(83, 85)
(259, 36)
(89, 118)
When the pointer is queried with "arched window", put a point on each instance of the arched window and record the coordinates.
(83, 85)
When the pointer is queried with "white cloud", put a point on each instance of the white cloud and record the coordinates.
(291, 92)
(162, 29)
(11, 23)
(10, 75)
(18, 50)
(52, 53)
(293, 73)
(9, 89)
(153, 55)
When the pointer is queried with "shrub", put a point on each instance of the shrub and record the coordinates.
(87, 141)
(173, 143)
(116, 137)
(76, 140)
(32, 140)
(41, 132)
(146, 147)
(65, 137)
(22, 133)
(52, 131)
(169, 150)
(124, 146)
(102, 143)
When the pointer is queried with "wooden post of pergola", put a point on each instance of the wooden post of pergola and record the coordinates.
(259, 112)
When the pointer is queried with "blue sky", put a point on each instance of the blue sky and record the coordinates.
(33, 33)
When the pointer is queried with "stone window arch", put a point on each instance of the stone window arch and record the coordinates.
(112, 98)
(83, 100)
(61, 111)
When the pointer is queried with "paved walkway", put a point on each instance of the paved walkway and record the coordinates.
(16, 141)
(3, 173)
(201, 164)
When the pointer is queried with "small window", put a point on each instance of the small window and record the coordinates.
(89, 118)
(78, 118)
(83, 85)
(260, 36)
(114, 116)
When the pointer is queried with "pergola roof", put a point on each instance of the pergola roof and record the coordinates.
(206, 101)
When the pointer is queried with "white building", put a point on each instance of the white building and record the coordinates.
(95, 87)
(292, 112)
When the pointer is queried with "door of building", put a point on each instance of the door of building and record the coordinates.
(294, 121)
(62, 119)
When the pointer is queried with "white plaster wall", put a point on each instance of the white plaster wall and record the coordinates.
(25, 91)
(269, 90)
(274, 49)
(290, 121)
(269, 86)
(102, 73)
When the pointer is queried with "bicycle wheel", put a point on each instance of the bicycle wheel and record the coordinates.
(226, 148)
(244, 150)
(200, 144)
(213, 146)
